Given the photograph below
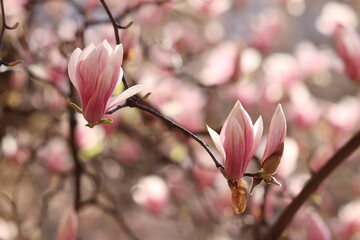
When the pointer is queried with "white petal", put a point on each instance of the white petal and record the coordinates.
(131, 91)
(216, 139)
(105, 44)
(72, 67)
(258, 131)
(85, 53)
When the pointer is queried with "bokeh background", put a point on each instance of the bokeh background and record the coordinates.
(144, 180)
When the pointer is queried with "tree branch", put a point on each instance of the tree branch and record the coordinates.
(287, 215)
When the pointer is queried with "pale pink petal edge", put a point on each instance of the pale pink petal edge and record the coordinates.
(216, 139)
(72, 67)
(119, 99)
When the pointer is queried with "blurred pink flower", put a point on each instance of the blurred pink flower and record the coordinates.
(56, 156)
(344, 116)
(334, 13)
(95, 72)
(152, 193)
(316, 228)
(303, 109)
(313, 60)
(347, 43)
(68, 226)
(210, 8)
(221, 64)
(237, 141)
(204, 177)
(175, 97)
(348, 226)
(266, 30)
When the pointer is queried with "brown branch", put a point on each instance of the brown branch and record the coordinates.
(78, 168)
(112, 20)
(287, 215)
(116, 27)
(4, 26)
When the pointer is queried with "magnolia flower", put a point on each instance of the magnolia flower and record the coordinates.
(273, 150)
(95, 72)
(237, 141)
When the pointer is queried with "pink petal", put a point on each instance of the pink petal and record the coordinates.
(243, 118)
(88, 77)
(95, 108)
(104, 52)
(239, 113)
(216, 139)
(116, 60)
(119, 99)
(317, 230)
(234, 146)
(105, 44)
(87, 50)
(68, 226)
(72, 67)
(277, 132)
(258, 131)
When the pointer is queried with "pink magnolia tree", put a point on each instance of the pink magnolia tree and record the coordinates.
(106, 108)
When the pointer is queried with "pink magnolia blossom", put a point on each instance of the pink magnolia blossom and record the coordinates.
(68, 226)
(95, 72)
(237, 141)
(347, 43)
(152, 193)
(267, 29)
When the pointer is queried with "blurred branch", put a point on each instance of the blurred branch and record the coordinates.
(113, 213)
(4, 26)
(287, 215)
(14, 212)
(48, 195)
(263, 205)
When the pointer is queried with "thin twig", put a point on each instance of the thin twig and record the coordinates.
(116, 27)
(3, 26)
(14, 212)
(112, 20)
(133, 102)
(116, 216)
(127, 11)
(287, 215)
